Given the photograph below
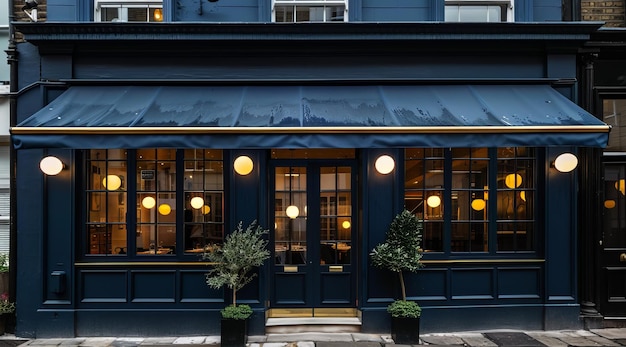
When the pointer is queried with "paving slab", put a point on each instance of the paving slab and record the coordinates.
(305, 344)
(73, 341)
(513, 339)
(603, 341)
(361, 337)
(340, 337)
(190, 340)
(49, 342)
(477, 340)
(346, 344)
(442, 340)
(97, 341)
(547, 340)
(579, 341)
(611, 333)
(158, 340)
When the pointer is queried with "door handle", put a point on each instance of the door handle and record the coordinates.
(622, 257)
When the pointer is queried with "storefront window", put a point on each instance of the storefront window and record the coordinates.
(159, 192)
(449, 190)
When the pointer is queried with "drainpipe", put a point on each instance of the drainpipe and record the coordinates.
(13, 88)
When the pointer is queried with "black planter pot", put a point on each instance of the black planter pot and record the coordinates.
(405, 331)
(234, 332)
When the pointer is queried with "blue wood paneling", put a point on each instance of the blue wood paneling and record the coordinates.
(221, 11)
(433, 285)
(472, 283)
(153, 286)
(103, 286)
(190, 291)
(519, 283)
(336, 290)
(290, 288)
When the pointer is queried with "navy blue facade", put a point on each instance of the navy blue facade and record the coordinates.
(62, 293)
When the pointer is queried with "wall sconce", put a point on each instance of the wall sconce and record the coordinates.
(346, 224)
(158, 14)
(478, 204)
(384, 164)
(51, 165)
(32, 6)
(513, 181)
(292, 211)
(197, 202)
(620, 185)
(565, 162)
(433, 201)
(148, 202)
(243, 165)
(165, 209)
(206, 209)
(112, 182)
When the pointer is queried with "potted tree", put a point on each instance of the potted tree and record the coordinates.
(399, 253)
(233, 261)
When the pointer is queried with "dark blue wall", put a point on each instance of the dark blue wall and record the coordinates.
(259, 10)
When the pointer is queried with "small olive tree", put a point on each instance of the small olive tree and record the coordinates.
(241, 251)
(401, 250)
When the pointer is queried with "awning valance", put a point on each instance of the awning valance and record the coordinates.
(310, 117)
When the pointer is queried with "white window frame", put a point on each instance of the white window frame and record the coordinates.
(124, 5)
(509, 5)
(314, 3)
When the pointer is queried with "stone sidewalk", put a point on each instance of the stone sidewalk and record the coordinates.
(561, 338)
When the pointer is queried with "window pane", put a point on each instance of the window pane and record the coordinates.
(204, 198)
(473, 14)
(614, 113)
(106, 202)
(137, 14)
(109, 14)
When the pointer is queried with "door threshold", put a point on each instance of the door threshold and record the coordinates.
(317, 312)
(313, 325)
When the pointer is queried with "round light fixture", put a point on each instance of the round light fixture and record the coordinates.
(478, 204)
(522, 195)
(384, 164)
(346, 224)
(197, 202)
(620, 185)
(609, 204)
(51, 165)
(165, 209)
(243, 165)
(433, 201)
(513, 180)
(148, 202)
(292, 211)
(206, 209)
(112, 182)
(565, 162)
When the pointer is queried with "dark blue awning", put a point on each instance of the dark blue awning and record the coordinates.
(310, 117)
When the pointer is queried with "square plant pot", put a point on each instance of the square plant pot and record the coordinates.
(405, 331)
(234, 332)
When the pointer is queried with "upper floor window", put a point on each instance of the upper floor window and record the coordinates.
(128, 10)
(291, 11)
(479, 11)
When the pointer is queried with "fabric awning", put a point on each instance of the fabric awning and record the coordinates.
(310, 117)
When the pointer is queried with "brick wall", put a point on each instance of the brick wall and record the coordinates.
(609, 11)
(20, 16)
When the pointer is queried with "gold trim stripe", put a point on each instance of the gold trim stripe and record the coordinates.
(311, 130)
(143, 263)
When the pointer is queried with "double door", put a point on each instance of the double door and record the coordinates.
(312, 240)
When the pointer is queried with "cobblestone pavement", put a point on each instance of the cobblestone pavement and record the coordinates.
(561, 338)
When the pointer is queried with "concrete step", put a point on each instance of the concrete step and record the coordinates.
(313, 324)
